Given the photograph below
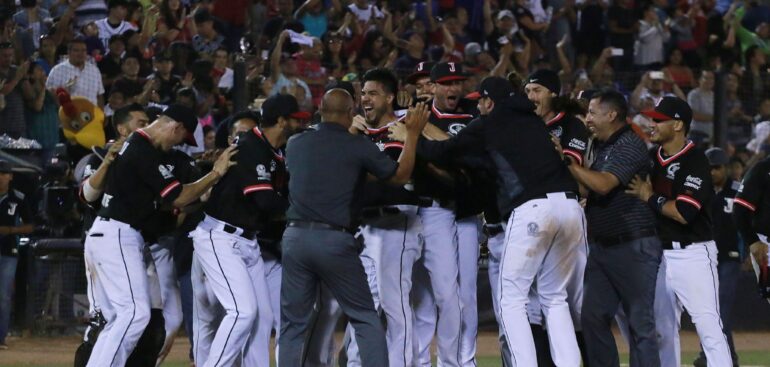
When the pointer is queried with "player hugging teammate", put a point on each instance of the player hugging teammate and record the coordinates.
(630, 229)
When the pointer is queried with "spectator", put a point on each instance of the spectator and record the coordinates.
(333, 58)
(531, 27)
(209, 137)
(234, 16)
(115, 101)
(285, 74)
(504, 28)
(623, 25)
(701, 100)
(77, 76)
(590, 22)
(167, 83)
(115, 23)
(310, 69)
(415, 53)
(12, 119)
(363, 11)
(760, 37)
(173, 23)
(134, 88)
(109, 65)
(34, 19)
(681, 74)
(374, 50)
(42, 112)
(755, 81)
(311, 14)
(89, 11)
(47, 53)
(764, 111)
(682, 25)
(652, 86)
(206, 39)
(648, 50)
(738, 123)
(223, 75)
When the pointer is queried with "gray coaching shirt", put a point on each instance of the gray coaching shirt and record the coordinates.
(617, 213)
(327, 169)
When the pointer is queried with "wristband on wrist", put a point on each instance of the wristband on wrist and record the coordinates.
(656, 202)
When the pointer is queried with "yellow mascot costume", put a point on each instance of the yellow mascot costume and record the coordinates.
(81, 120)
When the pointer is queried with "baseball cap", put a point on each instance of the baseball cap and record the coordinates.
(494, 87)
(472, 49)
(717, 157)
(422, 69)
(187, 118)
(447, 72)
(504, 13)
(5, 167)
(670, 108)
(586, 94)
(282, 105)
(547, 78)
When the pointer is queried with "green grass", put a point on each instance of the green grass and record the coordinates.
(749, 358)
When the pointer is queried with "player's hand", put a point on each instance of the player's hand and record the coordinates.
(759, 251)
(557, 145)
(224, 163)
(404, 98)
(397, 132)
(358, 125)
(416, 118)
(112, 153)
(640, 188)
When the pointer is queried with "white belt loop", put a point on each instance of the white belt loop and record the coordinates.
(676, 245)
(556, 195)
(218, 225)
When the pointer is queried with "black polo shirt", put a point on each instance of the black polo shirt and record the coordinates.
(752, 212)
(686, 178)
(235, 198)
(14, 211)
(137, 182)
(328, 167)
(725, 232)
(624, 155)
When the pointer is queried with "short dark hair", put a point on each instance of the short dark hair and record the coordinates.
(123, 114)
(383, 76)
(615, 100)
(74, 42)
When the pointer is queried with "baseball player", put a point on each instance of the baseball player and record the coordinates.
(390, 226)
(437, 276)
(420, 78)
(544, 222)
(680, 192)
(752, 217)
(136, 181)
(543, 88)
(240, 205)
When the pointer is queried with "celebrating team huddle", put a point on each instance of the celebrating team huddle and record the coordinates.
(377, 218)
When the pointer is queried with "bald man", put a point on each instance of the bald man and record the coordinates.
(328, 167)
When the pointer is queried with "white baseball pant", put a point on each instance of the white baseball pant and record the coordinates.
(754, 263)
(397, 239)
(320, 347)
(163, 258)
(542, 241)
(273, 277)
(218, 250)
(468, 269)
(207, 312)
(439, 258)
(257, 350)
(496, 244)
(688, 278)
(115, 253)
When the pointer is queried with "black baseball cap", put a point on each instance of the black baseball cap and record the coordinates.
(447, 72)
(422, 70)
(717, 157)
(671, 108)
(547, 78)
(5, 167)
(187, 118)
(115, 3)
(493, 87)
(282, 105)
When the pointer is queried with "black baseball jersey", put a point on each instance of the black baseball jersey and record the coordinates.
(752, 212)
(163, 221)
(572, 133)
(14, 211)
(137, 182)
(93, 161)
(234, 199)
(725, 232)
(686, 178)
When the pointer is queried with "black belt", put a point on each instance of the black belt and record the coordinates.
(249, 235)
(625, 237)
(309, 224)
(494, 230)
(374, 213)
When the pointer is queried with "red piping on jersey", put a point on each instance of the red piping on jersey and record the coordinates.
(168, 188)
(689, 200)
(578, 157)
(394, 144)
(745, 204)
(664, 162)
(555, 119)
(260, 187)
(142, 133)
(259, 134)
(441, 115)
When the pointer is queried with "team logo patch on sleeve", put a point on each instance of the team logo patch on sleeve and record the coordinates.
(166, 171)
(262, 173)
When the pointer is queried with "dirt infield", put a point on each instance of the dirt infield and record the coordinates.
(52, 352)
